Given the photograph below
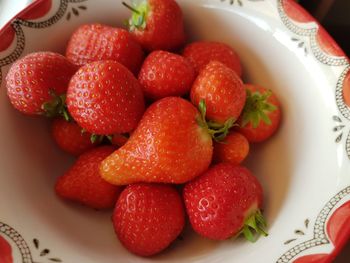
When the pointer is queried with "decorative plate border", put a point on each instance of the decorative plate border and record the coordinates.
(303, 31)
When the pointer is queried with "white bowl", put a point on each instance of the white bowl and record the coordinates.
(305, 168)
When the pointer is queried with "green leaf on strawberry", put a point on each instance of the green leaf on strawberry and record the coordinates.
(139, 15)
(256, 108)
(56, 107)
(216, 130)
(254, 226)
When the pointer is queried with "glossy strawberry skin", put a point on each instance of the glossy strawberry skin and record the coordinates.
(105, 98)
(202, 52)
(165, 74)
(233, 149)
(164, 28)
(94, 42)
(219, 201)
(168, 146)
(32, 78)
(82, 183)
(148, 217)
(70, 137)
(222, 91)
(263, 131)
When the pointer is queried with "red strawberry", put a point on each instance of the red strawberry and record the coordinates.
(105, 98)
(148, 217)
(168, 146)
(70, 137)
(224, 202)
(83, 183)
(222, 91)
(202, 52)
(261, 115)
(37, 79)
(5, 251)
(165, 74)
(118, 139)
(157, 24)
(234, 149)
(93, 42)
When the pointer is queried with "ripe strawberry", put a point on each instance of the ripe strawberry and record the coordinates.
(94, 42)
(165, 74)
(202, 52)
(222, 91)
(261, 115)
(70, 137)
(224, 202)
(118, 139)
(168, 146)
(105, 98)
(82, 183)
(157, 24)
(35, 82)
(148, 217)
(234, 149)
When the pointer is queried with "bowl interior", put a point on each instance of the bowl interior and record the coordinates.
(288, 164)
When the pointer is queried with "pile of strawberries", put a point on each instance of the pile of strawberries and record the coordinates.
(142, 119)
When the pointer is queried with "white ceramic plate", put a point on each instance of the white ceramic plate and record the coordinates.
(305, 168)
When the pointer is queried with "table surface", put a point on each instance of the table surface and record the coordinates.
(8, 8)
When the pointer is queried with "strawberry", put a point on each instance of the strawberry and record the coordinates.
(202, 52)
(82, 183)
(234, 149)
(37, 82)
(165, 74)
(168, 146)
(70, 137)
(94, 42)
(157, 24)
(118, 139)
(224, 202)
(148, 217)
(222, 91)
(105, 98)
(261, 115)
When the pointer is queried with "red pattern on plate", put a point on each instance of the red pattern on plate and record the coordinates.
(37, 9)
(346, 89)
(7, 35)
(40, 9)
(297, 13)
(5, 251)
(319, 258)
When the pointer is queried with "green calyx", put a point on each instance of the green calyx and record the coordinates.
(216, 130)
(256, 108)
(254, 226)
(56, 106)
(139, 15)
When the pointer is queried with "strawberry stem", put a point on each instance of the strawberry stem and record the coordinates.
(254, 226)
(256, 108)
(56, 107)
(139, 15)
(216, 130)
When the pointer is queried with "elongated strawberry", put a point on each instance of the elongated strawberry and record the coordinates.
(70, 137)
(233, 149)
(168, 146)
(157, 24)
(202, 52)
(82, 183)
(261, 115)
(94, 42)
(148, 217)
(224, 202)
(165, 74)
(222, 91)
(105, 98)
(36, 83)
